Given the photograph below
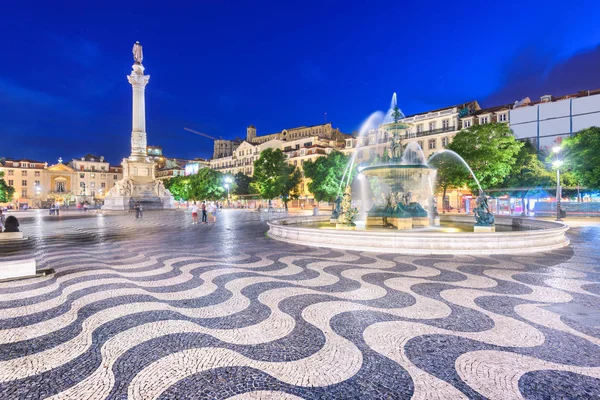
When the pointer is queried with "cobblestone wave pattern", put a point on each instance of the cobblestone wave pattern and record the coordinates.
(159, 308)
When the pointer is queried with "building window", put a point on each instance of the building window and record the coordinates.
(115, 177)
(446, 124)
(93, 185)
(431, 144)
(432, 126)
(11, 182)
(82, 176)
(24, 193)
(23, 173)
(420, 143)
(37, 184)
(37, 173)
(444, 141)
(502, 117)
(103, 185)
(92, 175)
(23, 183)
(467, 123)
(24, 165)
(419, 128)
(483, 120)
(81, 184)
(11, 172)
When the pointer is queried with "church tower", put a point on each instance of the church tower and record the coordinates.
(250, 134)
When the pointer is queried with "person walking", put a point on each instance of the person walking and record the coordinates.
(138, 212)
(194, 214)
(212, 208)
(2, 219)
(204, 216)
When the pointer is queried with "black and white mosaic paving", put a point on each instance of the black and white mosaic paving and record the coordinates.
(159, 308)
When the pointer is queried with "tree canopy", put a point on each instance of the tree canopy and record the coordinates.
(274, 177)
(528, 171)
(6, 192)
(325, 174)
(242, 182)
(451, 173)
(207, 184)
(583, 156)
(490, 150)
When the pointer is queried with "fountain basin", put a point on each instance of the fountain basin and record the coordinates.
(541, 236)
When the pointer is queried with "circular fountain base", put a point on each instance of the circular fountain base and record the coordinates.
(536, 236)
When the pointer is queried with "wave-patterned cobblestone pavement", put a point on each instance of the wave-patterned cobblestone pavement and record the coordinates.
(160, 308)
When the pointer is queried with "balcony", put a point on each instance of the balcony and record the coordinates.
(434, 132)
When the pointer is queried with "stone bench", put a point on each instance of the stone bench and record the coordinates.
(17, 269)
(10, 236)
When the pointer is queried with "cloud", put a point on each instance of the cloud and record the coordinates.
(529, 75)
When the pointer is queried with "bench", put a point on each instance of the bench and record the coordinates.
(10, 236)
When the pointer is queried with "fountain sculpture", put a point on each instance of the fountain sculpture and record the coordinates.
(398, 191)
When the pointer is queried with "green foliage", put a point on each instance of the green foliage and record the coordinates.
(6, 192)
(451, 173)
(274, 177)
(325, 174)
(490, 150)
(528, 170)
(242, 182)
(583, 156)
(207, 184)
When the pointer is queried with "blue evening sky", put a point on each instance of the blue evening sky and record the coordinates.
(217, 66)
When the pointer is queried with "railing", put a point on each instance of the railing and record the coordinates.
(434, 132)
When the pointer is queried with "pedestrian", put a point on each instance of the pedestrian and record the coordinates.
(194, 214)
(138, 213)
(2, 219)
(204, 216)
(212, 208)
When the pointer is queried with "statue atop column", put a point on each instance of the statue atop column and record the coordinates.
(137, 53)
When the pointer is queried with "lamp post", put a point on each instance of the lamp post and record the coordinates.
(228, 180)
(557, 163)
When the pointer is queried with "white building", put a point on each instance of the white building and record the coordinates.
(547, 121)
(95, 177)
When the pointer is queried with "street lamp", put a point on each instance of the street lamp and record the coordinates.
(557, 164)
(228, 180)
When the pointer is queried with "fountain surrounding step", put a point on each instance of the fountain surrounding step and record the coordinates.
(17, 269)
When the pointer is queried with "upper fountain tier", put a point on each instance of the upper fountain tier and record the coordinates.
(394, 114)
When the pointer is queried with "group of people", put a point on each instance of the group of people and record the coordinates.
(8, 224)
(205, 209)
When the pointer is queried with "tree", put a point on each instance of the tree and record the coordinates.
(527, 172)
(6, 192)
(490, 150)
(451, 173)
(207, 184)
(274, 177)
(326, 174)
(242, 182)
(583, 156)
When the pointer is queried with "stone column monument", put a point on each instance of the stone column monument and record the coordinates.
(139, 184)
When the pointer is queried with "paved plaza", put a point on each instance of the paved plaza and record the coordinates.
(161, 308)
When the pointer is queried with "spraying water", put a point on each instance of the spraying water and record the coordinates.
(372, 122)
(459, 158)
(413, 154)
